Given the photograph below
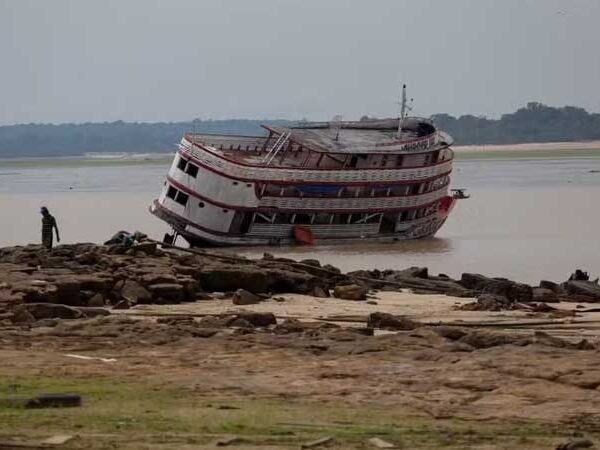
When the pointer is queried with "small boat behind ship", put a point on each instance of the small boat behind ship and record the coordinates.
(321, 182)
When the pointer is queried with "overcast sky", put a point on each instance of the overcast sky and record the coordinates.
(151, 60)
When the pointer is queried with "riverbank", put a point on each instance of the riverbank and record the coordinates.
(188, 349)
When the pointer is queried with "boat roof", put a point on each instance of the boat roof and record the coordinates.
(364, 136)
(354, 136)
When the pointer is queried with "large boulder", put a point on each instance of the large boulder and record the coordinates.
(515, 292)
(350, 292)
(135, 293)
(68, 291)
(544, 295)
(149, 248)
(167, 292)
(226, 278)
(41, 311)
(583, 288)
(242, 297)
(36, 291)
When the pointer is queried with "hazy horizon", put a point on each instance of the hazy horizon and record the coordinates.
(79, 61)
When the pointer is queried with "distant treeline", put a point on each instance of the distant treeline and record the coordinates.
(41, 140)
(534, 123)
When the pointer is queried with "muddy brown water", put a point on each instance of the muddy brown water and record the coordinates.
(528, 218)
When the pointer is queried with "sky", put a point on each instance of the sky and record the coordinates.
(170, 60)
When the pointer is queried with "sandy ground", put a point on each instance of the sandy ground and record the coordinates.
(461, 394)
(429, 309)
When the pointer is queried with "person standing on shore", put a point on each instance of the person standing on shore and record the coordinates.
(48, 225)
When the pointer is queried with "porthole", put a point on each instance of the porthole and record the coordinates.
(235, 183)
(225, 210)
(248, 185)
(201, 205)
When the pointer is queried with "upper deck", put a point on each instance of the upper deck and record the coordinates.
(333, 145)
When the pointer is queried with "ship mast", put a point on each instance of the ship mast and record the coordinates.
(402, 112)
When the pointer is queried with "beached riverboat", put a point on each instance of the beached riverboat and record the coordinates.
(322, 182)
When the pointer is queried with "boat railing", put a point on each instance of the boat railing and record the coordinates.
(262, 173)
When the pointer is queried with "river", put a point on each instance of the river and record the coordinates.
(531, 216)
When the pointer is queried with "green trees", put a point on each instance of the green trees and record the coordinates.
(534, 123)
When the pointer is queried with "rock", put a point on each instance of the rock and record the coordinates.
(387, 321)
(258, 319)
(544, 295)
(22, 317)
(157, 277)
(36, 291)
(452, 333)
(241, 323)
(460, 292)
(122, 304)
(350, 292)
(243, 297)
(168, 292)
(94, 283)
(185, 270)
(584, 288)
(223, 278)
(551, 285)
(88, 258)
(135, 293)
(489, 302)
(50, 311)
(485, 339)
(96, 301)
(149, 248)
(311, 262)
(548, 340)
(576, 444)
(515, 292)
(319, 292)
(331, 268)
(190, 286)
(416, 272)
(89, 311)
(68, 291)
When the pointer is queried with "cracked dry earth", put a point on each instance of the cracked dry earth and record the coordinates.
(420, 372)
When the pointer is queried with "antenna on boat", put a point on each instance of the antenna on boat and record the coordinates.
(335, 125)
(402, 111)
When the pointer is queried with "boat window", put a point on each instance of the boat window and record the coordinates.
(373, 218)
(192, 170)
(282, 218)
(303, 219)
(182, 198)
(171, 192)
(388, 223)
(181, 164)
(322, 219)
(201, 205)
(341, 219)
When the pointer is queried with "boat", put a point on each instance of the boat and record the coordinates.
(376, 180)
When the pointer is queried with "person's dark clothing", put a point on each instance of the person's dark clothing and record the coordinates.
(48, 225)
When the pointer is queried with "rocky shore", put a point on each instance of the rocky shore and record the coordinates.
(90, 279)
(370, 347)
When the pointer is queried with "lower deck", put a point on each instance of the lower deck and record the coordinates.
(376, 227)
